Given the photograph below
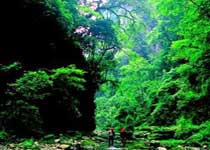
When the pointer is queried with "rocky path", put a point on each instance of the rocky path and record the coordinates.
(145, 140)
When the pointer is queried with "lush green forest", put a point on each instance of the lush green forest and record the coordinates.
(70, 69)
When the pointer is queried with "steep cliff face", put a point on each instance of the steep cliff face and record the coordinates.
(32, 34)
(37, 36)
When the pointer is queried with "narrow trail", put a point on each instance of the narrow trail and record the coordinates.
(102, 140)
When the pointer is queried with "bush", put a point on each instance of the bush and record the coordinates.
(38, 90)
(33, 85)
(28, 144)
(202, 136)
(185, 128)
(21, 117)
(3, 136)
(89, 142)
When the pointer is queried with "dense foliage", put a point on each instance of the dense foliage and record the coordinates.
(145, 62)
(34, 97)
(169, 87)
(52, 60)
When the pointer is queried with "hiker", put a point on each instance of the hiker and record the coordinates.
(123, 136)
(111, 136)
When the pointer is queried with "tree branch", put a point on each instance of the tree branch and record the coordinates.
(128, 13)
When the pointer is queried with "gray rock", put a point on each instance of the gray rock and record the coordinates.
(192, 148)
(154, 143)
(161, 148)
(205, 147)
(57, 140)
(63, 146)
(112, 147)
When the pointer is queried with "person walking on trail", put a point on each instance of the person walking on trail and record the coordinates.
(111, 134)
(123, 136)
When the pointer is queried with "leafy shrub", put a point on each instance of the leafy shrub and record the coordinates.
(28, 144)
(69, 77)
(89, 142)
(13, 66)
(22, 117)
(185, 128)
(3, 135)
(21, 111)
(202, 136)
(33, 85)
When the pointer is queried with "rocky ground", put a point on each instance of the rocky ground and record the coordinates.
(147, 139)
